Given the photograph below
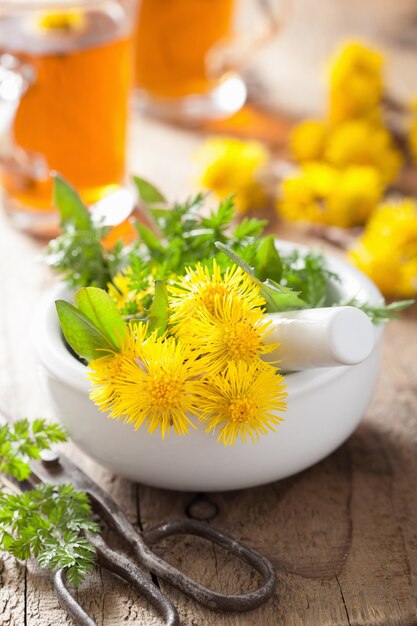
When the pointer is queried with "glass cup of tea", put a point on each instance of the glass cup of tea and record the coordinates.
(65, 80)
(189, 54)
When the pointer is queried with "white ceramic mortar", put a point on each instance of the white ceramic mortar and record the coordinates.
(324, 407)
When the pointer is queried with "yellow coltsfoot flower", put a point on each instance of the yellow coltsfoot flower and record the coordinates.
(230, 334)
(413, 133)
(356, 83)
(360, 142)
(320, 193)
(387, 250)
(202, 287)
(159, 387)
(357, 191)
(105, 372)
(308, 141)
(230, 166)
(128, 299)
(243, 401)
(63, 21)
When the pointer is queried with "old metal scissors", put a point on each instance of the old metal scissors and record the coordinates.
(61, 470)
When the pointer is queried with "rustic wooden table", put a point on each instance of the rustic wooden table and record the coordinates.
(342, 535)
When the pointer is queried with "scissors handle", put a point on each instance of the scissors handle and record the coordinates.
(200, 593)
(117, 520)
(65, 471)
(120, 565)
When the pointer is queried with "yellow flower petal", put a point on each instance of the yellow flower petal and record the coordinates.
(230, 334)
(126, 298)
(230, 166)
(62, 21)
(308, 141)
(159, 387)
(387, 250)
(413, 132)
(355, 83)
(201, 287)
(360, 142)
(320, 193)
(243, 401)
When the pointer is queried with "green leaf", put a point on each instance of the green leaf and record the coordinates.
(220, 219)
(72, 210)
(24, 441)
(307, 273)
(46, 522)
(159, 310)
(278, 298)
(249, 227)
(149, 238)
(101, 310)
(83, 337)
(147, 192)
(268, 262)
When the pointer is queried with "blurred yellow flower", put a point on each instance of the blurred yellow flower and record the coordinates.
(231, 167)
(308, 141)
(387, 251)
(360, 142)
(318, 192)
(413, 133)
(355, 83)
(62, 21)
(243, 401)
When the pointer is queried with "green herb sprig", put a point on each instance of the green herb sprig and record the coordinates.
(25, 441)
(380, 313)
(78, 255)
(46, 522)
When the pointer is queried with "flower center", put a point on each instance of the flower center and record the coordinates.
(208, 295)
(241, 341)
(165, 390)
(242, 410)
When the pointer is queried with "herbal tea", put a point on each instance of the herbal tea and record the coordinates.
(173, 39)
(74, 114)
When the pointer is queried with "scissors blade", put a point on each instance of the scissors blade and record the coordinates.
(57, 469)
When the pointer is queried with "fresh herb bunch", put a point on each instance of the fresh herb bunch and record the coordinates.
(181, 237)
(185, 237)
(307, 273)
(79, 254)
(46, 522)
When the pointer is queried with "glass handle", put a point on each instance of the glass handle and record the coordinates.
(16, 77)
(235, 53)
